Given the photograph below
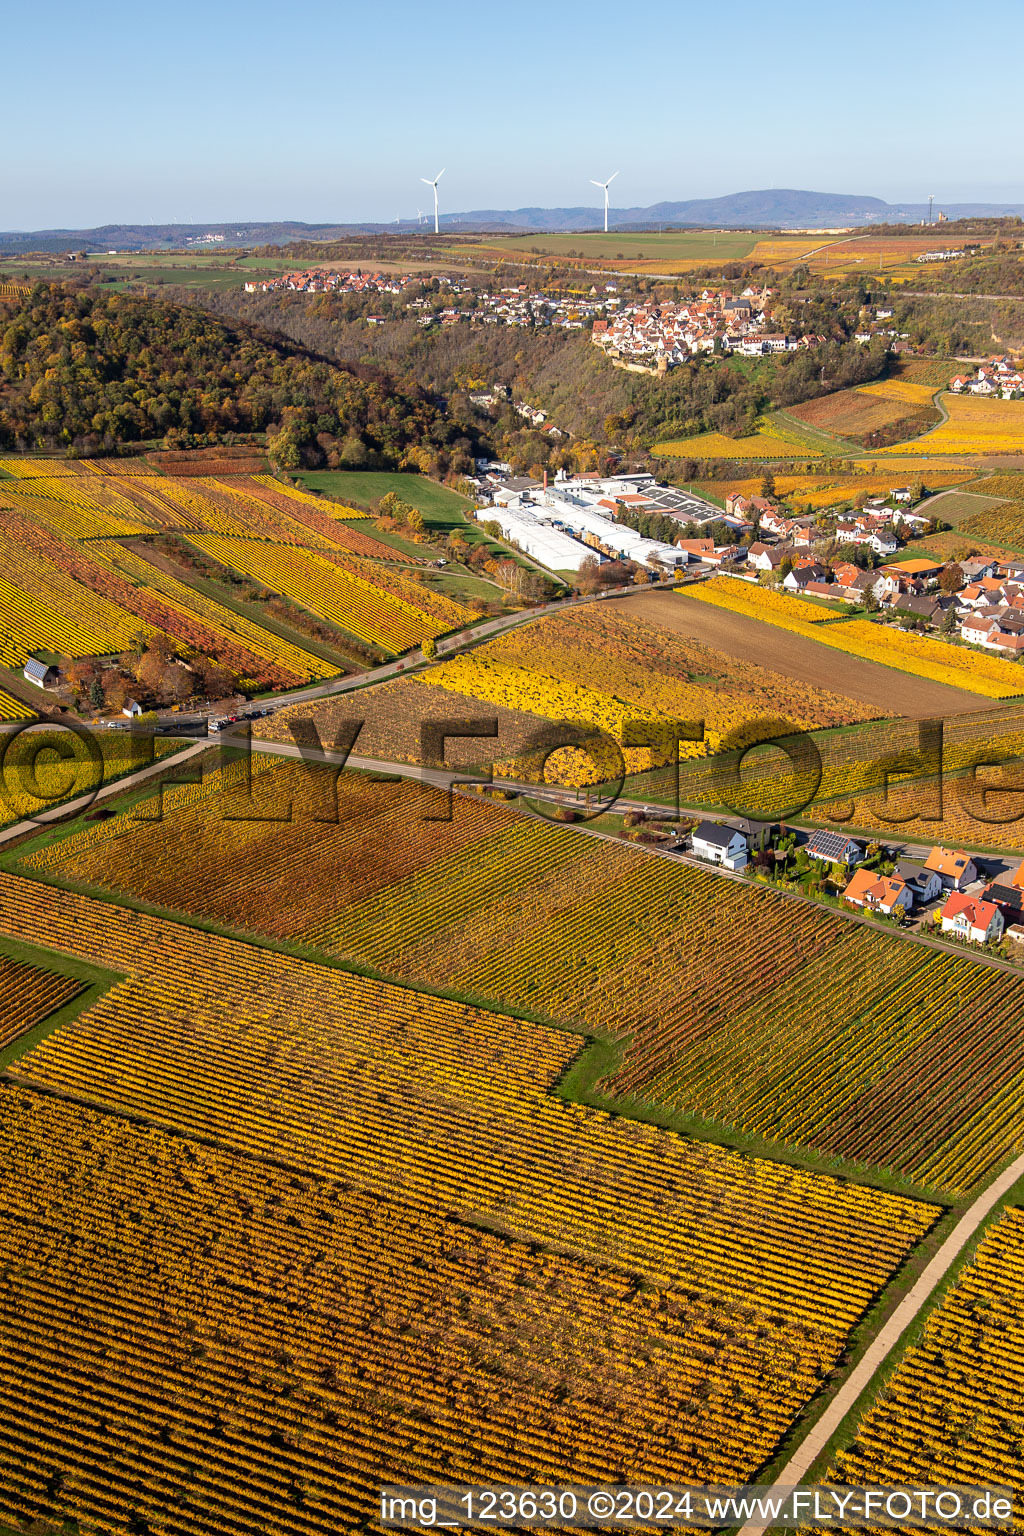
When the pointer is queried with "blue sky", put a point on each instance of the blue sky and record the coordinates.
(332, 111)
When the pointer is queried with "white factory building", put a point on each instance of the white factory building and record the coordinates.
(562, 524)
(521, 526)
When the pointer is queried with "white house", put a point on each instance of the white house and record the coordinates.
(956, 869)
(720, 845)
(42, 673)
(968, 917)
(834, 848)
(879, 893)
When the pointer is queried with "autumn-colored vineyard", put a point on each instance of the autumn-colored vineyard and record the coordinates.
(951, 1413)
(942, 782)
(28, 995)
(600, 669)
(43, 765)
(72, 587)
(770, 440)
(974, 426)
(870, 408)
(1004, 525)
(733, 1003)
(197, 1341)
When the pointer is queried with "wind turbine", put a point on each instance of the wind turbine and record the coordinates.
(428, 183)
(605, 185)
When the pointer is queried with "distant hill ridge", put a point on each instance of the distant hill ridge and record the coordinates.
(773, 208)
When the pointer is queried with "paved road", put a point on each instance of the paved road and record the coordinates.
(888, 1338)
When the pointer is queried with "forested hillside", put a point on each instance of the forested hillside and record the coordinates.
(92, 370)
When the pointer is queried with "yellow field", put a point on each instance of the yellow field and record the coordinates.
(12, 708)
(756, 602)
(904, 391)
(991, 676)
(974, 426)
(951, 1412)
(769, 441)
(934, 471)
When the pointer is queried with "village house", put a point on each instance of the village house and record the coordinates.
(801, 576)
(956, 870)
(834, 848)
(764, 558)
(41, 673)
(824, 589)
(923, 883)
(863, 584)
(932, 609)
(700, 549)
(878, 893)
(996, 629)
(722, 845)
(968, 917)
(977, 568)
(1008, 898)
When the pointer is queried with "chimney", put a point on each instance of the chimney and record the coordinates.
(545, 479)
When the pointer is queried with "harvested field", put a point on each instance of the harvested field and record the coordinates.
(794, 656)
(210, 461)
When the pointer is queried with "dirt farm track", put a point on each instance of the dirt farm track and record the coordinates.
(891, 692)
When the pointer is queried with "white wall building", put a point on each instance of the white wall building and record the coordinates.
(521, 526)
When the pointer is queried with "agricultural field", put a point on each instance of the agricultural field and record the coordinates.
(860, 255)
(654, 251)
(882, 775)
(28, 995)
(72, 587)
(950, 1413)
(958, 667)
(723, 1004)
(856, 415)
(339, 1071)
(1002, 524)
(974, 426)
(597, 669)
(953, 545)
(436, 502)
(955, 506)
(257, 1320)
(381, 608)
(771, 440)
(818, 491)
(43, 765)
